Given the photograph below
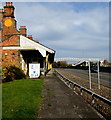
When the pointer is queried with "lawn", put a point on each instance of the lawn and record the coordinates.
(21, 98)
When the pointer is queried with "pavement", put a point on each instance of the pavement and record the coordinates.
(61, 102)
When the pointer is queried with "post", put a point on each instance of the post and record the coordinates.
(98, 75)
(89, 75)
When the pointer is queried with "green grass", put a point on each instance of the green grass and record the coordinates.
(21, 98)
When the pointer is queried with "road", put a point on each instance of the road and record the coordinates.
(104, 77)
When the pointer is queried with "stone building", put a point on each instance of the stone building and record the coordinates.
(18, 48)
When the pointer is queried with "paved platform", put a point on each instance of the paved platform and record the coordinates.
(62, 102)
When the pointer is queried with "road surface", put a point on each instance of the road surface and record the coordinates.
(104, 77)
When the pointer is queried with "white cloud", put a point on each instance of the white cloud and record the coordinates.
(64, 29)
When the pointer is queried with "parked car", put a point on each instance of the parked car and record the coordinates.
(94, 69)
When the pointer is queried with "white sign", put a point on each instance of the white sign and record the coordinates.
(34, 70)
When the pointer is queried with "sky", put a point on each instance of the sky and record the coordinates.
(72, 29)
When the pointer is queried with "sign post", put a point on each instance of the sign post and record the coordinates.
(34, 70)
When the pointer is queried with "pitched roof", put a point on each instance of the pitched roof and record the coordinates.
(24, 41)
(43, 45)
(28, 44)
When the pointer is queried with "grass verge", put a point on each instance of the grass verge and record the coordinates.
(21, 98)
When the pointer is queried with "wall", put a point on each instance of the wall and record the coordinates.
(10, 36)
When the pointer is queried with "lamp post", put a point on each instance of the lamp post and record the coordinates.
(89, 75)
(98, 74)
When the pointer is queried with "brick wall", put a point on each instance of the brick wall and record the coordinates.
(10, 37)
(11, 57)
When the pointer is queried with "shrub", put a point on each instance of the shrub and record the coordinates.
(11, 73)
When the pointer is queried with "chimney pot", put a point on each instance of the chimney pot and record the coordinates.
(30, 37)
(37, 41)
(22, 27)
(1, 10)
(8, 3)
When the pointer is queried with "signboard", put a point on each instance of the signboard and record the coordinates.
(34, 70)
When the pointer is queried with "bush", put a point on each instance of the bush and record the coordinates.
(11, 73)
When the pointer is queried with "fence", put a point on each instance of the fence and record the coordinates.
(101, 104)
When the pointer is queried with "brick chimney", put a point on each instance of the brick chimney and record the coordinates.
(30, 37)
(23, 30)
(1, 14)
(9, 10)
(9, 25)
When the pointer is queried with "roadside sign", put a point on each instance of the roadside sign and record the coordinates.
(34, 70)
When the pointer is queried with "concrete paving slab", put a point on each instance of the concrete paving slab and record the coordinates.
(62, 102)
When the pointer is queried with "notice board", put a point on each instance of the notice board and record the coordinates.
(34, 70)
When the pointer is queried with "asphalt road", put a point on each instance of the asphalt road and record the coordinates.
(105, 78)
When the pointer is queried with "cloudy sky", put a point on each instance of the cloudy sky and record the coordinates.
(72, 29)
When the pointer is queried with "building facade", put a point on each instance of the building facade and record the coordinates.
(17, 47)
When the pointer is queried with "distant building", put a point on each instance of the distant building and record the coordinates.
(18, 48)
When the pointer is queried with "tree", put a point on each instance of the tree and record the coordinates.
(60, 64)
